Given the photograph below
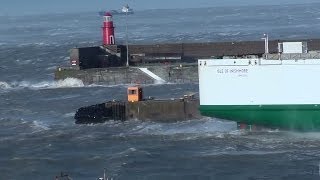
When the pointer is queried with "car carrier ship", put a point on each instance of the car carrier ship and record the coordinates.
(278, 90)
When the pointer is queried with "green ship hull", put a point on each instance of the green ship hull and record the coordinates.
(296, 117)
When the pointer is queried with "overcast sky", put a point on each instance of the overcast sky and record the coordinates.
(14, 7)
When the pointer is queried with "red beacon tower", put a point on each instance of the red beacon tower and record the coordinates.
(108, 30)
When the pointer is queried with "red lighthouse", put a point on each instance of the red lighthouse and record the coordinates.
(108, 30)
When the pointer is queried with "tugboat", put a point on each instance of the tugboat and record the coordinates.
(126, 10)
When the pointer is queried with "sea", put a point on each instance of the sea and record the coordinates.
(39, 139)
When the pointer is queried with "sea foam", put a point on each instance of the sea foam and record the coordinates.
(66, 83)
(4, 85)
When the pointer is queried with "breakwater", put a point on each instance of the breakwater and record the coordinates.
(175, 73)
(176, 63)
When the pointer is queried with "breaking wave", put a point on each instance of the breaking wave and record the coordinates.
(21, 127)
(4, 85)
(67, 115)
(45, 44)
(195, 128)
(66, 83)
(39, 126)
(69, 82)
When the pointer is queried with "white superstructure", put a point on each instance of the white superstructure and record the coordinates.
(277, 90)
(259, 81)
(126, 9)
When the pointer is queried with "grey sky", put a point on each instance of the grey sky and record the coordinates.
(14, 7)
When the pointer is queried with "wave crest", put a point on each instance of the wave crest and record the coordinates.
(4, 85)
(66, 83)
(70, 82)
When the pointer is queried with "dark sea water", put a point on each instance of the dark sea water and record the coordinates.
(38, 137)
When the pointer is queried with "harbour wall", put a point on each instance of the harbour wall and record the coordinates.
(194, 51)
(164, 110)
(176, 63)
(173, 73)
(167, 110)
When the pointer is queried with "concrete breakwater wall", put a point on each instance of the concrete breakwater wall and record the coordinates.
(147, 110)
(176, 63)
(173, 73)
(203, 50)
(139, 55)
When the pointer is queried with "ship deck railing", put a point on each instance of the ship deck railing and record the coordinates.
(292, 56)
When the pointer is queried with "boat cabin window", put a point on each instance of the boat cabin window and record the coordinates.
(132, 92)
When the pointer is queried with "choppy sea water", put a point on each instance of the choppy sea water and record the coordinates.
(38, 137)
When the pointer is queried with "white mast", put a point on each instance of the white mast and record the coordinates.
(266, 43)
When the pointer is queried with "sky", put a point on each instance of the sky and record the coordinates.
(13, 7)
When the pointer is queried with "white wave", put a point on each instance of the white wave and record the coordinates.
(39, 126)
(132, 151)
(305, 135)
(23, 62)
(247, 152)
(69, 82)
(24, 44)
(66, 83)
(51, 68)
(71, 114)
(34, 44)
(4, 85)
(229, 33)
(202, 127)
(41, 44)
